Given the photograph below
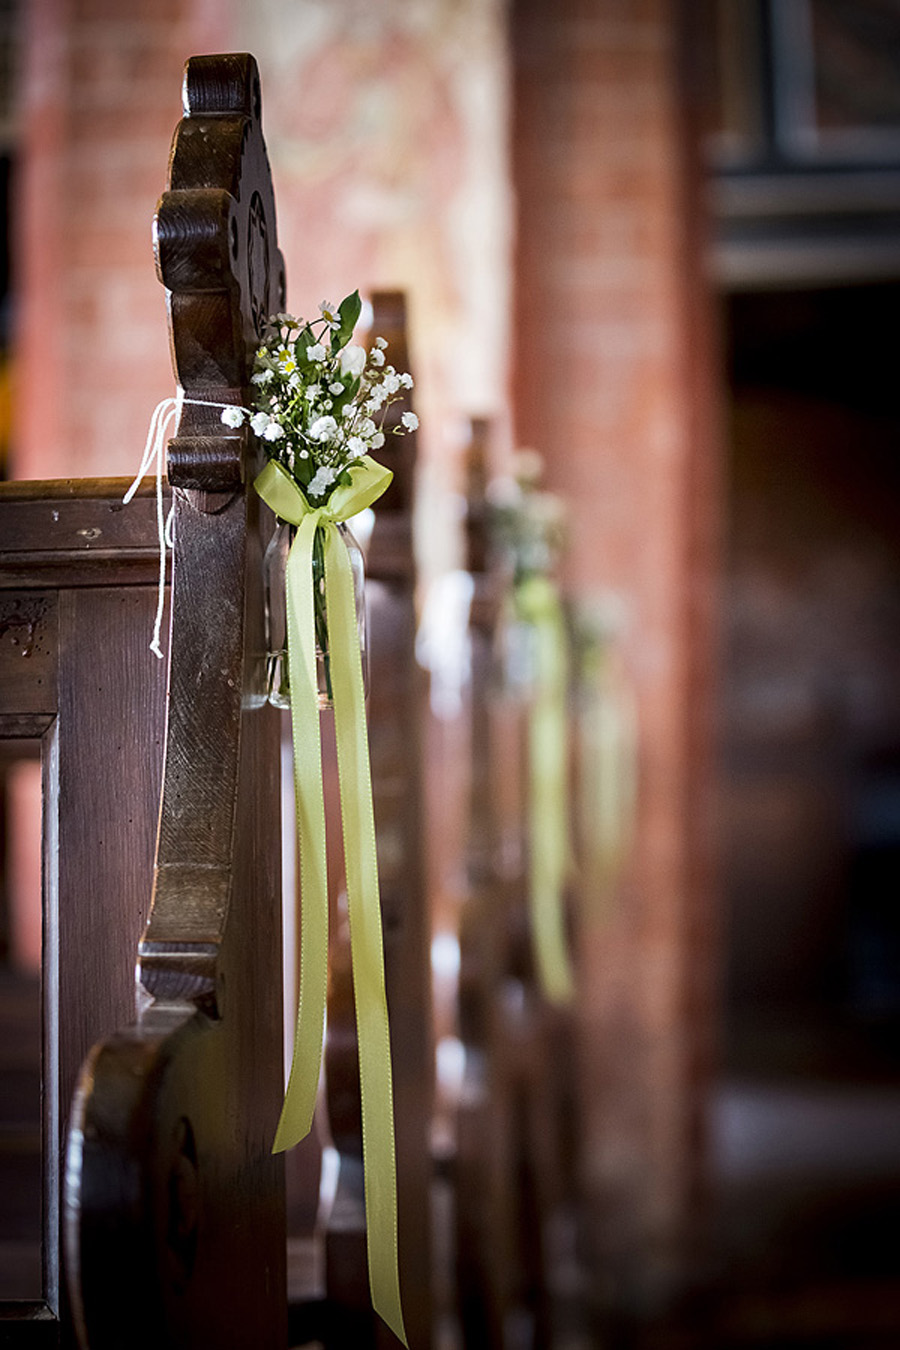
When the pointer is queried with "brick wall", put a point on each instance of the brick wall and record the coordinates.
(387, 138)
(612, 375)
(101, 96)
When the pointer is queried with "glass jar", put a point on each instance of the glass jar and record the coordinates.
(515, 656)
(275, 568)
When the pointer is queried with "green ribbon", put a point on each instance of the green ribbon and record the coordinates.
(608, 772)
(279, 491)
(537, 604)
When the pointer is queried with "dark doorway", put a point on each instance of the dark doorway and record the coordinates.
(807, 1118)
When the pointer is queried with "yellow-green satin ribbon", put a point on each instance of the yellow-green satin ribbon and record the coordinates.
(537, 603)
(608, 774)
(279, 491)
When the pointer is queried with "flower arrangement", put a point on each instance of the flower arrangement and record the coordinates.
(320, 405)
(528, 533)
(319, 411)
(527, 526)
(321, 400)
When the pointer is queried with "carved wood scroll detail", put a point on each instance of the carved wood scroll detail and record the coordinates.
(216, 252)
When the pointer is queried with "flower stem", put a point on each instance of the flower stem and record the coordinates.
(319, 606)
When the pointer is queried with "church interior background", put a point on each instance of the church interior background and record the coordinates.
(659, 243)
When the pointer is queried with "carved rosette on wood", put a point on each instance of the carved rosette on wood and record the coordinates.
(174, 1206)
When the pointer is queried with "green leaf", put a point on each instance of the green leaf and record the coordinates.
(305, 339)
(349, 311)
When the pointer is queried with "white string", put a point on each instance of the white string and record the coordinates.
(166, 412)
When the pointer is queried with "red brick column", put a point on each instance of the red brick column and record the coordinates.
(101, 86)
(612, 379)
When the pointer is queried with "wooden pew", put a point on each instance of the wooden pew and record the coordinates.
(171, 1204)
(514, 1141)
(174, 1203)
(79, 689)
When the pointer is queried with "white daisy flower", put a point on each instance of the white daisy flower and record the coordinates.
(330, 314)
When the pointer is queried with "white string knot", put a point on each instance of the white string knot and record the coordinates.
(166, 413)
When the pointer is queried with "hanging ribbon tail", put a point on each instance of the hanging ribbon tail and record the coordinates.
(278, 489)
(366, 943)
(309, 797)
(538, 603)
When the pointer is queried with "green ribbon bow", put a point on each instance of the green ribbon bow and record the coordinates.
(279, 491)
(537, 604)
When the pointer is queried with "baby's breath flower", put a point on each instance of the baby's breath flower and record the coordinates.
(316, 352)
(406, 380)
(232, 417)
(377, 357)
(380, 342)
(274, 431)
(377, 441)
(391, 382)
(263, 377)
(410, 421)
(336, 388)
(322, 428)
(259, 421)
(323, 477)
(356, 447)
